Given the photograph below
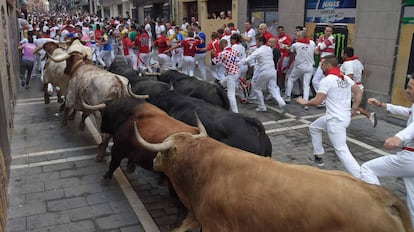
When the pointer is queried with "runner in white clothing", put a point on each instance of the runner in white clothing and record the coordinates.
(325, 46)
(402, 163)
(336, 89)
(303, 49)
(265, 77)
(353, 68)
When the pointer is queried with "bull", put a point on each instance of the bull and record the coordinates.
(53, 72)
(227, 189)
(90, 87)
(233, 129)
(155, 125)
(196, 88)
(144, 85)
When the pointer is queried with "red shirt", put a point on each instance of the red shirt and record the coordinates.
(142, 42)
(214, 45)
(163, 44)
(126, 43)
(189, 46)
(229, 59)
(283, 41)
(98, 35)
(268, 36)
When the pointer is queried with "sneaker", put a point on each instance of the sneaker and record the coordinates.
(27, 87)
(316, 159)
(283, 109)
(287, 99)
(260, 109)
(306, 107)
(373, 119)
(23, 83)
(269, 97)
(321, 105)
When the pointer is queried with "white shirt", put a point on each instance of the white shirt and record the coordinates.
(159, 28)
(148, 29)
(353, 67)
(264, 58)
(338, 96)
(407, 134)
(184, 26)
(304, 53)
(240, 51)
(251, 45)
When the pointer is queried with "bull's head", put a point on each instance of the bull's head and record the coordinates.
(168, 143)
(75, 48)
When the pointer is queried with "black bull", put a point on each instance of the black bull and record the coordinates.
(196, 88)
(181, 83)
(233, 129)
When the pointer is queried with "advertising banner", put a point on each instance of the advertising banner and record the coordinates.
(330, 11)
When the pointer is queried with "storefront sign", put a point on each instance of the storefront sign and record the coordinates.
(330, 11)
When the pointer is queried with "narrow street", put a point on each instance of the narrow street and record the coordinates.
(55, 181)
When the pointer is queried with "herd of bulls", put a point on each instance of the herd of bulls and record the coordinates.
(226, 180)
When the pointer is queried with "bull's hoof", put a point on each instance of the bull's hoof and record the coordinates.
(60, 100)
(47, 100)
(105, 181)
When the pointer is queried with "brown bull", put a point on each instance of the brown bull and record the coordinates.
(227, 189)
(155, 125)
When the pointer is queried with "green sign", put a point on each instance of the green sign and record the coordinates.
(409, 2)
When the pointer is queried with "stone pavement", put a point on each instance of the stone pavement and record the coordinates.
(55, 182)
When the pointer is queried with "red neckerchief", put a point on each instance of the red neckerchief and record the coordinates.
(248, 29)
(304, 40)
(351, 58)
(335, 71)
(228, 49)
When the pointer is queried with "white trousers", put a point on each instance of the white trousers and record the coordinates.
(267, 79)
(133, 58)
(200, 59)
(177, 58)
(188, 65)
(232, 82)
(217, 71)
(164, 61)
(301, 70)
(399, 165)
(336, 130)
(317, 77)
(105, 57)
(144, 61)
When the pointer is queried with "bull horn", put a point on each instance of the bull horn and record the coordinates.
(201, 128)
(90, 107)
(151, 146)
(151, 74)
(60, 57)
(135, 95)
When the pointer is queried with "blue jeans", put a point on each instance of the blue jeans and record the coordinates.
(26, 65)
